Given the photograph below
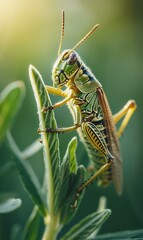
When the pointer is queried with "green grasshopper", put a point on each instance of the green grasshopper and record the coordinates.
(91, 113)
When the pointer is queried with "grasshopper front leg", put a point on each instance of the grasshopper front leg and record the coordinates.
(67, 97)
(60, 130)
(65, 129)
(58, 92)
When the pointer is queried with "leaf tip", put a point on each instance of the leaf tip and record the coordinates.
(106, 212)
(75, 140)
(20, 84)
(31, 69)
(34, 74)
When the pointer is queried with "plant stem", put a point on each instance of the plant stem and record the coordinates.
(52, 228)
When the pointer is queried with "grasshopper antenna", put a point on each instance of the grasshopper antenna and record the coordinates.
(62, 32)
(83, 39)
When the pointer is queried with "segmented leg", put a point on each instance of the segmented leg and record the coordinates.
(59, 92)
(56, 91)
(104, 168)
(95, 176)
(60, 130)
(126, 112)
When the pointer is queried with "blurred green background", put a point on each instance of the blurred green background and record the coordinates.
(29, 34)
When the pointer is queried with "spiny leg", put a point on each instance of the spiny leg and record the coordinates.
(104, 168)
(55, 91)
(66, 129)
(126, 112)
(60, 130)
(95, 176)
(59, 92)
(57, 105)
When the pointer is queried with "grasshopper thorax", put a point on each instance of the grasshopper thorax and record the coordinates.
(65, 68)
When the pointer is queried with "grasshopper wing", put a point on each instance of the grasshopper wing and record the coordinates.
(114, 146)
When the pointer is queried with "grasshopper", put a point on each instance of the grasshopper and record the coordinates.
(91, 113)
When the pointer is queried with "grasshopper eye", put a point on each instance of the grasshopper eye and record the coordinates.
(72, 59)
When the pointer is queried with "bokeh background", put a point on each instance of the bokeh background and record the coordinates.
(29, 34)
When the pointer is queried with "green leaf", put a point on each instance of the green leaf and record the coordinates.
(72, 156)
(101, 207)
(32, 223)
(50, 140)
(10, 101)
(27, 176)
(72, 201)
(71, 177)
(68, 166)
(9, 205)
(86, 226)
(135, 234)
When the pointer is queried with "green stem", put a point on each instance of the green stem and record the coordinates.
(52, 228)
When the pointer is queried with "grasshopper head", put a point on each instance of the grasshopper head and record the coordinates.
(68, 62)
(65, 67)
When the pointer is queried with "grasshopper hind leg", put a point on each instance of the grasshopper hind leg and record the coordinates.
(101, 158)
(126, 112)
(101, 172)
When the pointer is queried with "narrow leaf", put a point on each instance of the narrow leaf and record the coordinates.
(9, 205)
(87, 225)
(101, 207)
(50, 140)
(134, 234)
(72, 200)
(27, 176)
(10, 101)
(72, 156)
(68, 166)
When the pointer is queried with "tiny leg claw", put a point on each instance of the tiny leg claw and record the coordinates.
(47, 130)
(39, 130)
(51, 130)
(45, 109)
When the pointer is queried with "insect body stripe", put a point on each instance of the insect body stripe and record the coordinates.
(94, 136)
